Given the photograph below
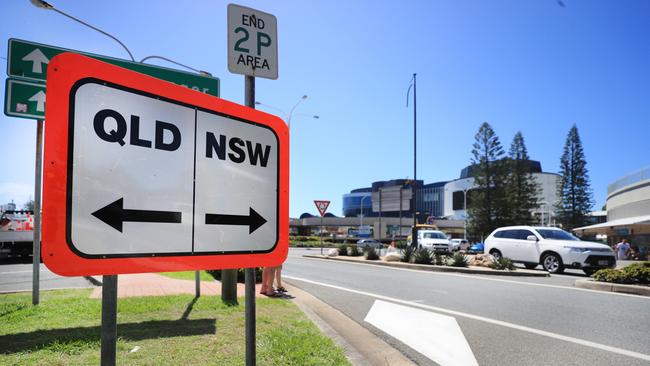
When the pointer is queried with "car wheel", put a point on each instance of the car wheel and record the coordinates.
(496, 254)
(552, 263)
(530, 265)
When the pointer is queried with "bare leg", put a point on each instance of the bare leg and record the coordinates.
(278, 276)
(267, 280)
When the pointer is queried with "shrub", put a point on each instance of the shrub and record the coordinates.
(459, 260)
(353, 251)
(638, 272)
(439, 259)
(371, 254)
(407, 254)
(503, 263)
(241, 274)
(423, 256)
(343, 249)
(612, 275)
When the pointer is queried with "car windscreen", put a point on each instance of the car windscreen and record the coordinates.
(556, 234)
(434, 236)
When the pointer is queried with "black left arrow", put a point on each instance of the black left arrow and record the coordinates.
(115, 215)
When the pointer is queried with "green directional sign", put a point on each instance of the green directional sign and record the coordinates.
(29, 60)
(24, 99)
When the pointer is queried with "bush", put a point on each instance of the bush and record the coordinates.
(638, 272)
(459, 260)
(422, 256)
(353, 251)
(371, 254)
(241, 274)
(612, 275)
(439, 259)
(503, 263)
(343, 249)
(407, 254)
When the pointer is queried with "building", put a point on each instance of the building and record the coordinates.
(628, 213)
(456, 194)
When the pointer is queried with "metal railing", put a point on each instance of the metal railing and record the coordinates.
(643, 174)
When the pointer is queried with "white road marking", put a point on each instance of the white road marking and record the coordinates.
(436, 336)
(11, 272)
(480, 277)
(486, 320)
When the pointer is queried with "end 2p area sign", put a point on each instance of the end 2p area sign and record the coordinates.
(141, 175)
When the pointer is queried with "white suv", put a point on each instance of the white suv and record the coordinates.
(551, 247)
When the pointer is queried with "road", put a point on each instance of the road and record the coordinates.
(503, 320)
(16, 275)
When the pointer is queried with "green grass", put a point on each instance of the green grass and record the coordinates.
(188, 275)
(171, 330)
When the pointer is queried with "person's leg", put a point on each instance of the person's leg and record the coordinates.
(268, 284)
(264, 281)
(278, 279)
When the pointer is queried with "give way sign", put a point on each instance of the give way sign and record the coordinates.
(142, 175)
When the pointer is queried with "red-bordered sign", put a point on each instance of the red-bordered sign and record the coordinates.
(142, 175)
(322, 206)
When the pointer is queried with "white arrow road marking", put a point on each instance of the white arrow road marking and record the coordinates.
(455, 313)
(38, 59)
(39, 98)
(436, 336)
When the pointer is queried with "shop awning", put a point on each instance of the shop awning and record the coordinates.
(628, 221)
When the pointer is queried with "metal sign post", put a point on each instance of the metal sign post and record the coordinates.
(251, 358)
(252, 51)
(36, 267)
(109, 320)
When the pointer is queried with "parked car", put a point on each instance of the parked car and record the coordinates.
(434, 240)
(476, 248)
(459, 244)
(553, 248)
(364, 243)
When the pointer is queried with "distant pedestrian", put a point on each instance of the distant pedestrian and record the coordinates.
(622, 249)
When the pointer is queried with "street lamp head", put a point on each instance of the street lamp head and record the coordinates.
(258, 103)
(41, 4)
(304, 96)
(317, 117)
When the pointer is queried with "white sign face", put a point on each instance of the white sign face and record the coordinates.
(150, 176)
(252, 42)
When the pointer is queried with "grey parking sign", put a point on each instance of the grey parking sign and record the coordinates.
(252, 42)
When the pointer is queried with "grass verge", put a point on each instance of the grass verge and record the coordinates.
(168, 330)
(188, 275)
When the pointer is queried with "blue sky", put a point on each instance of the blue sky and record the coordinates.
(531, 66)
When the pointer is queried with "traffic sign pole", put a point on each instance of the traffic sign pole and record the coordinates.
(36, 264)
(109, 320)
(249, 96)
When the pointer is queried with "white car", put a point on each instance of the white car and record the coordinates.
(551, 247)
(459, 244)
(434, 240)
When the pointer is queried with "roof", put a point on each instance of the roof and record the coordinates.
(619, 222)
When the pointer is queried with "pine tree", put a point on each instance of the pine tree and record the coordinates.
(576, 198)
(487, 207)
(521, 187)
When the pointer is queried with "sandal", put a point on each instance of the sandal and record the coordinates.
(281, 289)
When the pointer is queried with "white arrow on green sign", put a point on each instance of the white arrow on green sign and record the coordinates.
(28, 60)
(24, 99)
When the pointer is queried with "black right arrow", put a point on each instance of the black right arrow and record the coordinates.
(253, 220)
(115, 215)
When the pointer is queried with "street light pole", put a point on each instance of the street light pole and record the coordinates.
(361, 221)
(288, 116)
(45, 5)
(465, 214)
(415, 149)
